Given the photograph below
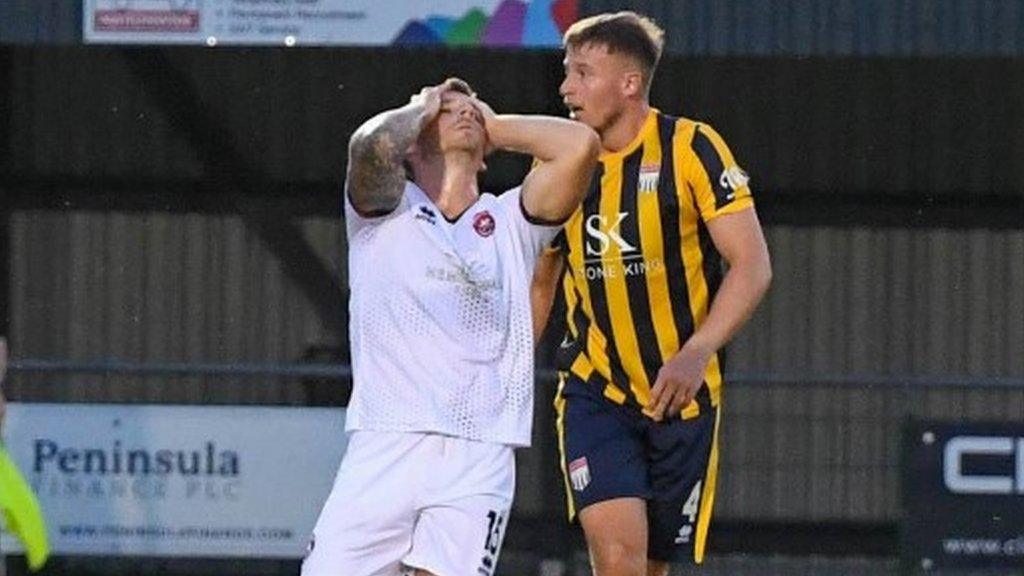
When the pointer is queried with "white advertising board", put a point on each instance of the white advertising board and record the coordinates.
(515, 23)
(197, 481)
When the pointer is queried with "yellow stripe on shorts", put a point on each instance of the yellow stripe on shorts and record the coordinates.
(560, 428)
(707, 498)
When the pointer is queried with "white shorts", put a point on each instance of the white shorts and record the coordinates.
(411, 500)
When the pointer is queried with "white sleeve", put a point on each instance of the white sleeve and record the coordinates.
(533, 235)
(355, 223)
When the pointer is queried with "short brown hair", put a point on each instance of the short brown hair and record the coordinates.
(461, 86)
(627, 32)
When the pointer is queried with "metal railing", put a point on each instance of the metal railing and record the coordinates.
(110, 366)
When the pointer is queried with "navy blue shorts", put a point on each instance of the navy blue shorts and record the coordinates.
(611, 451)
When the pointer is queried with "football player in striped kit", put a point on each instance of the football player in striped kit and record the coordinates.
(649, 306)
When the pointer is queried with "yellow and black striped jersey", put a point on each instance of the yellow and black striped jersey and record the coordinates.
(641, 267)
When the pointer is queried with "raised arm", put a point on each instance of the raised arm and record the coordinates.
(376, 178)
(567, 152)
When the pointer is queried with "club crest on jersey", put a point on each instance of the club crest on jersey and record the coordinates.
(483, 223)
(579, 474)
(648, 181)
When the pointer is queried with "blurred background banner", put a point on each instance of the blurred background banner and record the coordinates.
(505, 23)
(177, 480)
(963, 494)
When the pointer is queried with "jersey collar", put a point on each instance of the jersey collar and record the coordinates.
(649, 124)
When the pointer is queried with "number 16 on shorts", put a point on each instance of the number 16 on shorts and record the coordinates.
(492, 544)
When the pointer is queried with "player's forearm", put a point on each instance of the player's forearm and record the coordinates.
(541, 299)
(546, 138)
(741, 291)
(375, 178)
(542, 290)
(567, 153)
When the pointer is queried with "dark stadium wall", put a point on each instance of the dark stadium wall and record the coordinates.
(905, 128)
(889, 186)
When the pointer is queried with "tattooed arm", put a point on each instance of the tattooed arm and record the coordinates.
(375, 178)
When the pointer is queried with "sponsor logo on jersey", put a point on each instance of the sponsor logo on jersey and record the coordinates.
(483, 223)
(733, 178)
(604, 233)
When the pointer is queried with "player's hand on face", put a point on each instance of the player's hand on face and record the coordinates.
(430, 98)
(489, 117)
(678, 382)
(486, 112)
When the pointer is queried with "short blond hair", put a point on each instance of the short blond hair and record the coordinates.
(637, 36)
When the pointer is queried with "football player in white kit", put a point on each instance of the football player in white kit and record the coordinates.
(441, 332)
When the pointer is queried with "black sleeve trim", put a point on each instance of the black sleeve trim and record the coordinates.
(560, 242)
(539, 221)
(371, 214)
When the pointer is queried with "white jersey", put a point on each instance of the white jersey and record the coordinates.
(440, 320)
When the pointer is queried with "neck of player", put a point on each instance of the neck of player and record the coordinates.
(452, 184)
(623, 129)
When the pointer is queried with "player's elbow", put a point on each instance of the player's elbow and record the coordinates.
(580, 147)
(757, 265)
(585, 156)
(762, 276)
(754, 270)
(362, 146)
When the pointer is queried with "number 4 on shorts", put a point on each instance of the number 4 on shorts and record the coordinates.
(690, 509)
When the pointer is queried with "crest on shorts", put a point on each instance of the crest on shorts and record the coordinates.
(579, 474)
(483, 223)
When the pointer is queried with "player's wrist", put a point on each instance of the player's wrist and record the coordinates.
(499, 128)
(700, 345)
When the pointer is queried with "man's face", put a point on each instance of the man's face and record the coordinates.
(595, 85)
(460, 126)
